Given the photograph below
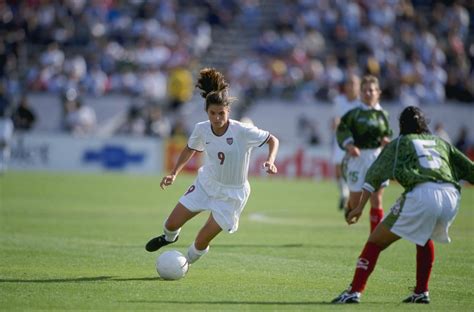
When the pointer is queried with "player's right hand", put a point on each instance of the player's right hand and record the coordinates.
(352, 216)
(167, 180)
(270, 167)
(353, 150)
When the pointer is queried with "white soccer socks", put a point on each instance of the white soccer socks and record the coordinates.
(343, 188)
(194, 254)
(170, 236)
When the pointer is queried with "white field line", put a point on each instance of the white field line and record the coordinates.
(263, 218)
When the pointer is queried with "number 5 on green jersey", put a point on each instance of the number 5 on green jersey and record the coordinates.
(427, 155)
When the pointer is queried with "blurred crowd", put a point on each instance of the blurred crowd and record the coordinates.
(421, 50)
(99, 46)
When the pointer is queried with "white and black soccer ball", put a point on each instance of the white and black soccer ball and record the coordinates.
(172, 265)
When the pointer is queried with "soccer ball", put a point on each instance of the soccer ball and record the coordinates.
(172, 265)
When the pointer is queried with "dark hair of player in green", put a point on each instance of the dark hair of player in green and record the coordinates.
(412, 120)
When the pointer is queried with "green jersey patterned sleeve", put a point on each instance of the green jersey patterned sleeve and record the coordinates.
(462, 166)
(343, 132)
(388, 131)
(382, 168)
(419, 158)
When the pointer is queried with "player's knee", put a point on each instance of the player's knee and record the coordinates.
(172, 225)
(201, 244)
(382, 236)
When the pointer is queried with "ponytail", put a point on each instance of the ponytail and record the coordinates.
(214, 87)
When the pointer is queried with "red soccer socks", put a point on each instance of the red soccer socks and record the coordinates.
(424, 263)
(376, 215)
(365, 266)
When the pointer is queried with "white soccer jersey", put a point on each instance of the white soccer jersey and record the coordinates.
(342, 105)
(6, 129)
(227, 156)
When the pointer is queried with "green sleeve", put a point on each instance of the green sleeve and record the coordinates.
(389, 131)
(462, 166)
(343, 132)
(382, 169)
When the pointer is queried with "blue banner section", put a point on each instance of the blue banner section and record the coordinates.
(113, 157)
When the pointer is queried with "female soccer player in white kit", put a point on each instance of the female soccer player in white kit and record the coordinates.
(221, 186)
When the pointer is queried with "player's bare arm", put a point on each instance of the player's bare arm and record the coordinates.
(183, 159)
(385, 140)
(353, 215)
(269, 164)
(353, 150)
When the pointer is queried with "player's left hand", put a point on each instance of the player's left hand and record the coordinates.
(270, 167)
(167, 180)
(385, 141)
(352, 216)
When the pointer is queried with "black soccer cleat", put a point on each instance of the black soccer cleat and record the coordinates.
(347, 297)
(424, 297)
(156, 243)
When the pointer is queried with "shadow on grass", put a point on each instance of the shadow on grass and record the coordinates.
(288, 245)
(57, 280)
(79, 280)
(229, 246)
(285, 303)
(258, 246)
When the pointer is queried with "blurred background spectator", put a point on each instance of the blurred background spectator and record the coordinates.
(300, 51)
(441, 132)
(309, 130)
(79, 119)
(157, 125)
(462, 140)
(6, 132)
(23, 116)
(134, 124)
(421, 50)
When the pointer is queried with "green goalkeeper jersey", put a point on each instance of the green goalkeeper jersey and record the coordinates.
(364, 127)
(417, 158)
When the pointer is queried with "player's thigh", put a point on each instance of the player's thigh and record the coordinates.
(179, 216)
(382, 236)
(207, 233)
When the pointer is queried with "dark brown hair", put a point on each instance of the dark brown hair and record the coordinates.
(214, 87)
(412, 120)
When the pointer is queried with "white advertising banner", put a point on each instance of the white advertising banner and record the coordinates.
(295, 162)
(147, 156)
(67, 153)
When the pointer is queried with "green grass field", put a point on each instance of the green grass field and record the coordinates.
(77, 242)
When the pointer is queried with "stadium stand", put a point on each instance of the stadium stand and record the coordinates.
(298, 51)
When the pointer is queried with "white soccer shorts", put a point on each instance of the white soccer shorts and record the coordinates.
(337, 154)
(225, 203)
(425, 212)
(355, 168)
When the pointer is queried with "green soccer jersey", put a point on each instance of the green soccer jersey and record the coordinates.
(364, 127)
(417, 158)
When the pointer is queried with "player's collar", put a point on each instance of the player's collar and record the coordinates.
(365, 107)
(226, 129)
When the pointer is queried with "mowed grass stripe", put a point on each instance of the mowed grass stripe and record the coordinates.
(76, 242)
